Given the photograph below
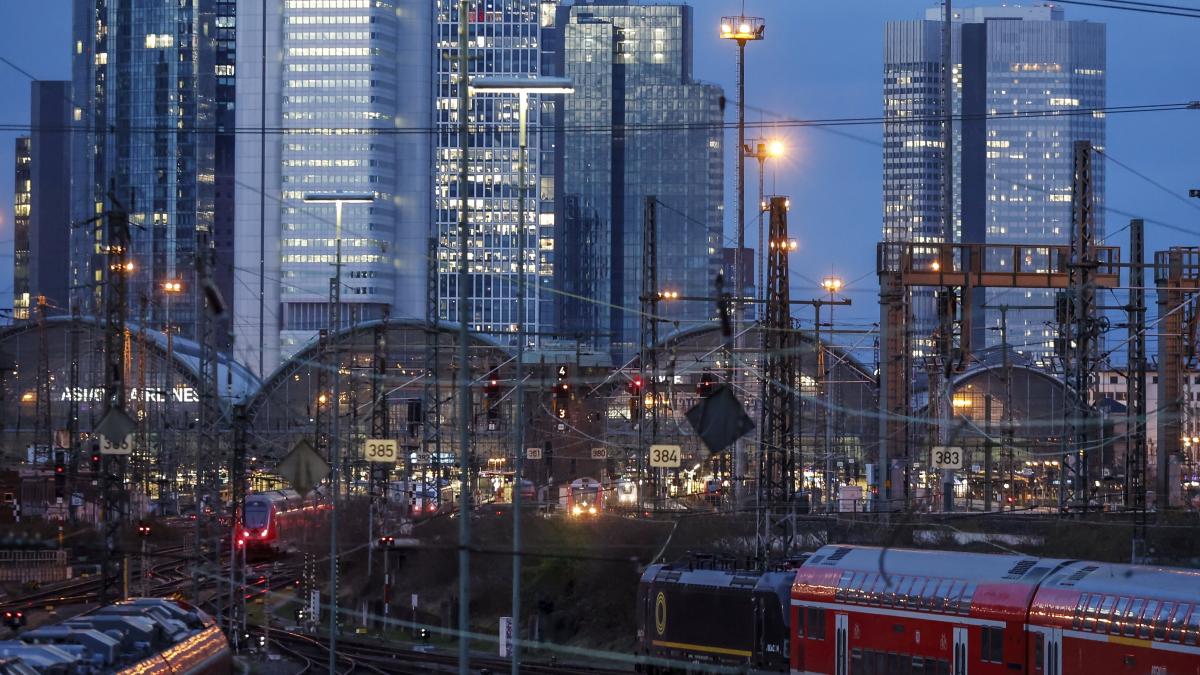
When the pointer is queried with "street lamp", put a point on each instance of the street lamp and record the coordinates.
(522, 87)
(763, 150)
(335, 318)
(832, 285)
(170, 289)
(740, 29)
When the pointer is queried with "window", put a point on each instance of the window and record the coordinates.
(1089, 619)
(1039, 650)
(993, 644)
(1147, 619)
(1104, 620)
(1135, 613)
(1177, 622)
(1193, 627)
(1118, 617)
(816, 623)
(1077, 618)
(1162, 621)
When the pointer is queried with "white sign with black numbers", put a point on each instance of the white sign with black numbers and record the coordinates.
(947, 457)
(665, 456)
(599, 453)
(125, 447)
(533, 453)
(383, 450)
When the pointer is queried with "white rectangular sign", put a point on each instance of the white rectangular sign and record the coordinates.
(382, 450)
(665, 456)
(599, 453)
(533, 453)
(125, 447)
(505, 635)
(947, 457)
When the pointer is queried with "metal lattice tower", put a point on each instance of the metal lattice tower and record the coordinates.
(431, 412)
(116, 291)
(1135, 455)
(207, 457)
(1080, 330)
(648, 358)
(43, 437)
(73, 412)
(777, 456)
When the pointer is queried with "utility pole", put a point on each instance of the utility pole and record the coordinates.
(73, 413)
(208, 505)
(648, 356)
(380, 428)
(464, 318)
(1135, 383)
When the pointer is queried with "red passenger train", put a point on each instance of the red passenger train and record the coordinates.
(869, 611)
(858, 610)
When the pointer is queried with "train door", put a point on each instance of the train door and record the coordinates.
(960, 651)
(841, 641)
(1052, 665)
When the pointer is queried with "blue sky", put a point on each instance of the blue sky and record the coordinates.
(820, 59)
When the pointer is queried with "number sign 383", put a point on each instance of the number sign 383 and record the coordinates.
(947, 457)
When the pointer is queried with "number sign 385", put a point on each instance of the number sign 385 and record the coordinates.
(383, 450)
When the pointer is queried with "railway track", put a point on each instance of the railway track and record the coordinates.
(169, 575)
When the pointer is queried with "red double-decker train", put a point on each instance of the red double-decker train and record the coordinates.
(870, 611)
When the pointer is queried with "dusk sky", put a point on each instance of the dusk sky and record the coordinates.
(820, 59)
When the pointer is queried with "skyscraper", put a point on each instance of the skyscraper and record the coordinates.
(349, 84)
(148, 99)
(638, 125)
(1021, 76)
(505, 38)
(47, 205)
(22, 188)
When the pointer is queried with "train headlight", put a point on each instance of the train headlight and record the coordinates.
(576, 511)
(592, 510)
(264, 532)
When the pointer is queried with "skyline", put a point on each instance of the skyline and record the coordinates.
(833, 175)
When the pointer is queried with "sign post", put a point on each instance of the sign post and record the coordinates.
(666, 456)
(506, 624)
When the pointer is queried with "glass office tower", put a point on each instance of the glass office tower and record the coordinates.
(148, 115)
(505, 37)
(638, 125)
(22, 189)
(1021, 74)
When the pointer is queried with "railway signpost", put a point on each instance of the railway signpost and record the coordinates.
(533, 453)
(665, 456)
(383, 450)
(948, 457)
(599, 453)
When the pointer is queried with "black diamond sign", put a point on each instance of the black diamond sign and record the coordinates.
(720, 420)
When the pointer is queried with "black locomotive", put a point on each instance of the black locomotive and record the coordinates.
(701, 615)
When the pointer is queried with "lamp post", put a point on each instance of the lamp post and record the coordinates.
(741, 29)
(170, 289)
(522, 87)
(762, 150)
(831, 285)
(335, 320)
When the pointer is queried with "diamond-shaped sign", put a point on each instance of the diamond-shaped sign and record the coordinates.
(115, 426)
(303, 468)
(720, 420)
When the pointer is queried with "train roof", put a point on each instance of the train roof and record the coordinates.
(977, 567)
(117, 636)
(686, 575)
(1137, 581)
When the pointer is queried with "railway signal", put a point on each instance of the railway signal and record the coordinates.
(491, 392)
(14, 619)
(60, 477)
(706, 385)
(636, 386)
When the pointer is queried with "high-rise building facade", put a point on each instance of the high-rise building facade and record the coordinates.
(22, 191)
(348, 83)
(1021, 76)
(147, 95)
(49, 194)
(637, 126)
(505, 38)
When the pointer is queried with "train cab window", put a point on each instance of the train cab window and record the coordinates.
(1163, 619)
(1133, 616)
(1093, 609)
(993, 644)
(1118, 616)
(1193, 627)
(1147, 619)
(1178, 621)
(815, 622)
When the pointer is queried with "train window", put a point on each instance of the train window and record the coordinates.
(1164, 618)
(878, 589)
(1039, 651)
(856, 660)
(1118, 617)
(955, 594)
(917, 598)
(964, 604)
(1193, 626)
(1135, 613)
(1147, 619)
(843, 583)
(903, 592)
(943, 592)
(993, 644)
(816, 623)
(1077, 618)
(918, 665)
(800, 622)
(856, 594)
(1093, 608)
(1178, 621)
(1104, 618)
(893, 663)
(941, 668)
